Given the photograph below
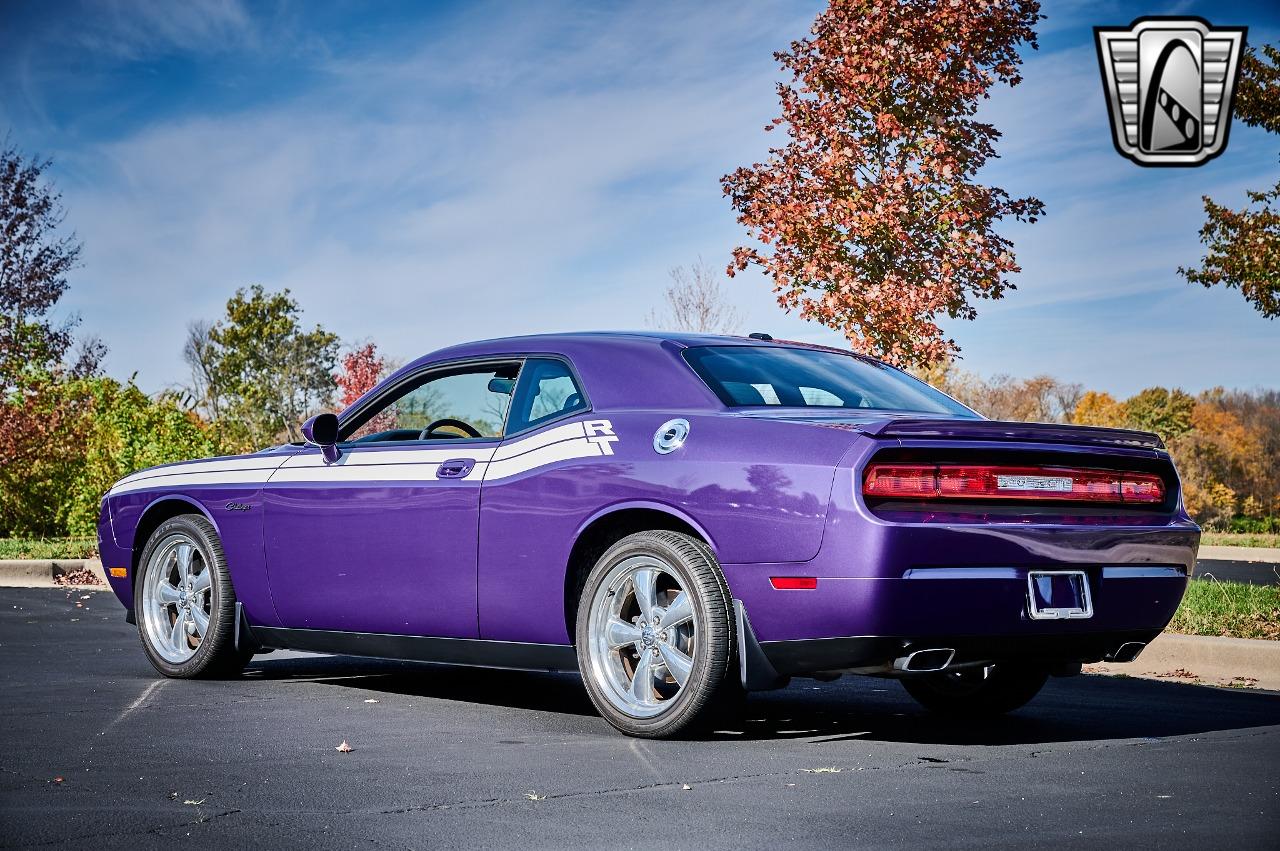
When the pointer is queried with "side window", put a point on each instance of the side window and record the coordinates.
(474, 401)
(547, 390)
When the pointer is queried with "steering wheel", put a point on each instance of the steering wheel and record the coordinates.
(448, 421)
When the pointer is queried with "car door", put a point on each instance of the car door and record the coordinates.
(384, 539)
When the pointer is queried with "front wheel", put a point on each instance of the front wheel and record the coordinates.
(655, 634)
(184, 602)
(976, 692)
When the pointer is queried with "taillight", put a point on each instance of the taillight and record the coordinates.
(970, 481)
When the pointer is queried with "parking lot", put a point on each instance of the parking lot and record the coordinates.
(96, 751)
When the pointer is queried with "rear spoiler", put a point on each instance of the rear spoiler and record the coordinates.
(948, 429)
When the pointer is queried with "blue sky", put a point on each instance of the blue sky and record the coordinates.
(420, 175)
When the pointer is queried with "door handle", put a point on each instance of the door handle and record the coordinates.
(455, 468)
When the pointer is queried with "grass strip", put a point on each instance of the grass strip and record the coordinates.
(1232, 609)
(1239, 539)
(48, 548)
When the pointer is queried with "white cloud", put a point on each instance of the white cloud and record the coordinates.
(530, 169)
(435, 197)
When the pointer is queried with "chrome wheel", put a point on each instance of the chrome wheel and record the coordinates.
(177, 598)
(643, 636)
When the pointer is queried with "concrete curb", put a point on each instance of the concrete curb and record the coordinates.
(1203, 659)
(40, 573)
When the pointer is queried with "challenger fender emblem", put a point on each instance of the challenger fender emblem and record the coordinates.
(238, 506)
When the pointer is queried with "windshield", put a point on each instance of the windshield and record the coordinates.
(758, 376)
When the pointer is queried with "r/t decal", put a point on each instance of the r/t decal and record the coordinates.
(600, 432)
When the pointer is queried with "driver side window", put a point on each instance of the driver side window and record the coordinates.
(476, 397)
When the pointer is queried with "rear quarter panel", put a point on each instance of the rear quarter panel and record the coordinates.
(757, 489)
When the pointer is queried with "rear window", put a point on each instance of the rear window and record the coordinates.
(759, 376)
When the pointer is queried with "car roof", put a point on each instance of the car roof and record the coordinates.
(621, 369)
(580, 339)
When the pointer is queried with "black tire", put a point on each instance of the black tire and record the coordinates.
(217, 656)
(713, 682)
(973, 693)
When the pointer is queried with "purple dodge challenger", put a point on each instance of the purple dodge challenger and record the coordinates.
(679, 517)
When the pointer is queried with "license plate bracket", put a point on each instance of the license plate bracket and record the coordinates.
(1058, 595)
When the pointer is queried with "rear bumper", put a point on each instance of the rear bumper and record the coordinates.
(867, 653)
(924, 604)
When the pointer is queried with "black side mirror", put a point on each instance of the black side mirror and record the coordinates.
(322, 431)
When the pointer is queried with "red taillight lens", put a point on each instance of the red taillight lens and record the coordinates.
(794, 583)
(903, 481)
(975, 481)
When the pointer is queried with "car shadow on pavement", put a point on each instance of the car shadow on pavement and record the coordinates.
(1083, 708)
(513, 689)
(1086, 708)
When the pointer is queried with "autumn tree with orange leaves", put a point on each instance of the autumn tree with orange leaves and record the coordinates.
(870, 217)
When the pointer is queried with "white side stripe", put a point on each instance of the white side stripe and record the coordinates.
(583, 439)
(565, 450)
(194, 478)
(537, 441)
(222, 465)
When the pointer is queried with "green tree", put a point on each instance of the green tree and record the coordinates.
(1244, 245)
(126, 431)
(1166, 412)
(257, 373)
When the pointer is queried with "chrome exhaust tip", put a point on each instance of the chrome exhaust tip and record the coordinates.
(1127, 652)
(923, 661)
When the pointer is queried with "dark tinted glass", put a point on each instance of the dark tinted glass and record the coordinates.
(746, 376)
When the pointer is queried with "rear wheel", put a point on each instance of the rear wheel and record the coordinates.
(655, 634)
(184, 603)
(976, 692)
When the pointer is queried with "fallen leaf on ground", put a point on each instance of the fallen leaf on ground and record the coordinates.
(344, 747)
(76, 577)
(1178, 673)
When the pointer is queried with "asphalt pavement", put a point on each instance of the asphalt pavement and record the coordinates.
(98, 752)
(1248, 572)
